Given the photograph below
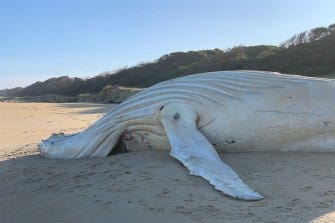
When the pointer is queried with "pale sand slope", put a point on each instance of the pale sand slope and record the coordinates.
(147, 186)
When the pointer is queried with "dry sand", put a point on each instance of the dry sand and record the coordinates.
(147, 186)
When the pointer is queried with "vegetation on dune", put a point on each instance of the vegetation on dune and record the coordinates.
(310, 53)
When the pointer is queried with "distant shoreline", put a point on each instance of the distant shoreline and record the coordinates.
(24, 100)
(110, 95)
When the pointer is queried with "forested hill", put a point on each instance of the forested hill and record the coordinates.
(310, 53)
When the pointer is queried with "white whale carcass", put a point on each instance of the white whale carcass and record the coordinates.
(226, 110)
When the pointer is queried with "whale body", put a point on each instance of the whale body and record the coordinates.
(197, 115)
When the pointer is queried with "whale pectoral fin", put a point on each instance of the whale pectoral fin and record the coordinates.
(192, 148)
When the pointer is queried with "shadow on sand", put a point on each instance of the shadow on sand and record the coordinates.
(153, 187)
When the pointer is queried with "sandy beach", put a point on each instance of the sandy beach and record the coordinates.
(145, 186)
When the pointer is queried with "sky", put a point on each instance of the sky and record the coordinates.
(40, 39)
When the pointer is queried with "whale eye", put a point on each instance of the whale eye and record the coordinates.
(176, 116)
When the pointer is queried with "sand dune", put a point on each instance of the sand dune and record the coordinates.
(146, 186)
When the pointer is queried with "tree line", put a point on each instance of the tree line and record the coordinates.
(310, 53)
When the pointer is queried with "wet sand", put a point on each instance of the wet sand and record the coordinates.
(146, 186)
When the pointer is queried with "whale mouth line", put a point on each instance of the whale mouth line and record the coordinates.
(119, 148)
